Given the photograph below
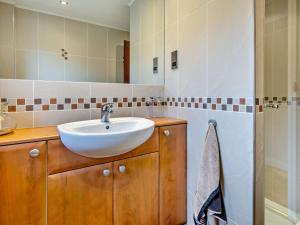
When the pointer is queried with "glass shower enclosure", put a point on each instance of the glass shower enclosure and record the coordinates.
(282, 112)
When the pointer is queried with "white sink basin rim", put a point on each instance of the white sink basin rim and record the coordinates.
(97, 139)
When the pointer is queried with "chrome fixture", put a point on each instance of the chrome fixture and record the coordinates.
(106, 172)
(34, 153)
(153, 101)
(272, 105)
(63, 2)
(213, 122)
(167, 133)
(106, 110)
(122, 168)
(64, 54)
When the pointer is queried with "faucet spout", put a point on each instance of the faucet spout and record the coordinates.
(106, 110)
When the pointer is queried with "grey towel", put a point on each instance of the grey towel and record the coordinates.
(209, 206)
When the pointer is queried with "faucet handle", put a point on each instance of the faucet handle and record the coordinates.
(107, 107)
(153, 101)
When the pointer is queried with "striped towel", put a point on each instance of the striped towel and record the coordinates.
(209, 206)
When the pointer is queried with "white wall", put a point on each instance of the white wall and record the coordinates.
(146, 41)
(215, 42)
(30, 91)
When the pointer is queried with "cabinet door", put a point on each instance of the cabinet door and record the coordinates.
(81, 197)
(136, 190)
(173, 172)
(23, 184)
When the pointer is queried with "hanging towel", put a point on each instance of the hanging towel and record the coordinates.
(209, 206)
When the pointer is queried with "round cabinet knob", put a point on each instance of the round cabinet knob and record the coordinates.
(167, 133)
(106, 172)
(34, 153)
(122, 168)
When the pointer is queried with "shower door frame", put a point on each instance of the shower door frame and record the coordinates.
(259, 151)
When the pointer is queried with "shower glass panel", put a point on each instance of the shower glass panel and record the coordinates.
(282, 112)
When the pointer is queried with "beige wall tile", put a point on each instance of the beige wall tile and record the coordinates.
(171, 12)
(135, 58)
(6, 24)
(46, 89)
(111, 90)
(97, 70)
(97, 41)
(52, 118)
(112, 71)
(146, 62)
(147, 20)
(23, 119)
(76, 68)
(231, 48)
(51, 33)
(51, 66)
(171, 76)
(193, 54)
(159, 16)
(135, 22)
(16, 88)
(7, 62)
(187, 7)
(116, 43)
(26, 24)
(147, 90)
(76, 38)
(26, 65)
(119, 72)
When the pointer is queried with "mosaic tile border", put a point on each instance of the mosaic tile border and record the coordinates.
(288, 101)
(245, 105)
(58, 104)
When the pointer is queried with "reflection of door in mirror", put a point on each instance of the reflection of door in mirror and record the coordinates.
(126, 62)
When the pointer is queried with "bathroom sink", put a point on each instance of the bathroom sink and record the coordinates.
(97, 139)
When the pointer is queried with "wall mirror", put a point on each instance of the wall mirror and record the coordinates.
(111, 41)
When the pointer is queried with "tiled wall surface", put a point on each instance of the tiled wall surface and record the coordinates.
(43, 103)
(31, 46)
(147, 41)
(215, 43)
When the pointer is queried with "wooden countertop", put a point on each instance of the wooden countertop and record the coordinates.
(49, 133)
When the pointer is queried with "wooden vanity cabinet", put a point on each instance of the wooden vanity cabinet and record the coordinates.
(146, 186)
(124, 192)
(23, 184)
(173, 175)
(82, 196)
(136, 191)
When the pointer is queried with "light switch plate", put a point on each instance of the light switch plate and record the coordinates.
(174, 60)
(155, 65)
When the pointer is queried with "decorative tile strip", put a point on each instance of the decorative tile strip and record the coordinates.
(246, 105)
(53, 104)
(281, 101)
(212, 103)
(259, 105)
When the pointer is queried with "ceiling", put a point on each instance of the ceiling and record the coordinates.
(111, 13)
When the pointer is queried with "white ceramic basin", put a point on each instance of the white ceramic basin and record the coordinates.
(96, 139)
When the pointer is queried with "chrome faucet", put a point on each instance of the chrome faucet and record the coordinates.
(106, 110)
(154, 101)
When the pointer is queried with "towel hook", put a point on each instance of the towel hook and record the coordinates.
(213, 122)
